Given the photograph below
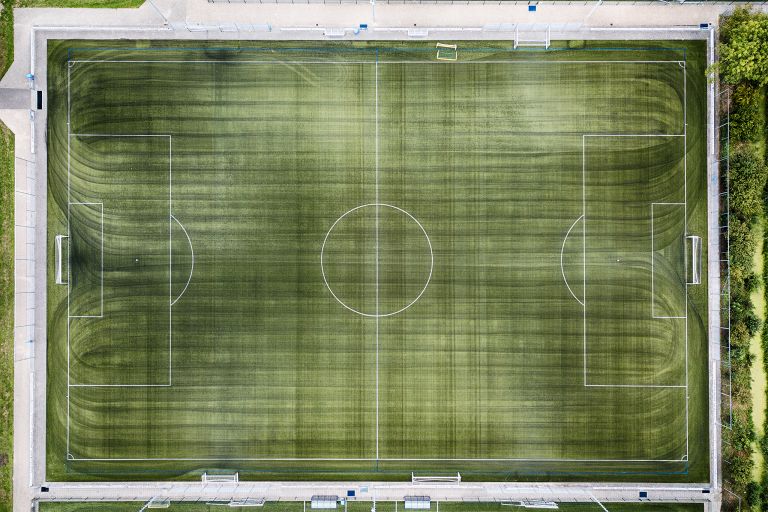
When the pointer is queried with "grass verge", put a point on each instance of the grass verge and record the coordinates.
(6, 36)
(755, 348)
(6, 316)
(80, 3)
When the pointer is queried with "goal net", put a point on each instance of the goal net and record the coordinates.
(532, 36)
(436, 479)
(693, 248)
(156, 503)
(221, 478)
(247, 502)
(59, 270)
(447, 51)
(536, 504)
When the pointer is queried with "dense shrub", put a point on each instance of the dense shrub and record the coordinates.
(754, 492)
(748, 176)
(743, 243)
(743, 63)
(747, 121)
(744, 48)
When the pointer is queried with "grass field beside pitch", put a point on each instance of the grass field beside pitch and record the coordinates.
(383, 506)
(314, 261)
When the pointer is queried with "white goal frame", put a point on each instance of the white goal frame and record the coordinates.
(453, 47)
(694, 258)
(59, 274)
(533, 37)
(230, 478)
(436, 479)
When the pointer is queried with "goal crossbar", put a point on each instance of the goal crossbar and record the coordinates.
(447, 51)
(436, 479)
(220, 478)
(532, 37)
(693, 248)
(59, 272)
(536, 504)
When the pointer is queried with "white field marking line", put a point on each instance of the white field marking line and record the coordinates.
(320, 459)
(70, 457)
(170, 259)
(653, 272)
(562, 270)
(336, 62)
(112, 135)
(119, 385)
(633, 136)
(584, 248)
(69, 257)
(191, 270)
(170, 340)
(685, 233)
(680, 386)
(431, 255)
(583, 158)
(376, 96)
(101, 275)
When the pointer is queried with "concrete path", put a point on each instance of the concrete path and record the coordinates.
(198, 19)
(381, 491)
(15, 99)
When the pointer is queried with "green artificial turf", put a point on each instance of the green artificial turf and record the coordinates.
(309, 261)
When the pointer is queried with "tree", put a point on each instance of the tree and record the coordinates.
(746, 117)
(744, 52)
(748, 175)
(743, 245)
(754, 491)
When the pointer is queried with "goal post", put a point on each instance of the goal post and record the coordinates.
(447, 51)
(59, 257)
(156, 503)
(220, 478)
(693, 248)
(532, 36)
(246, 502)
(436, 479)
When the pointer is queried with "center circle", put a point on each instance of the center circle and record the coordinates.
(377, 260)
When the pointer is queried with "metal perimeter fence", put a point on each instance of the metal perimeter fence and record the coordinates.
(731, 501)
(493, 2)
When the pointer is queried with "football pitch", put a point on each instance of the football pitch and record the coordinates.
(312, 260)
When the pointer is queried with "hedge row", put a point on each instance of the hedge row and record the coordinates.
(743, 66)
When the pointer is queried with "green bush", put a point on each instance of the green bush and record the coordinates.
(748, 177)
(754, 492)
(744, 48)
(747, 124)
(742, 247)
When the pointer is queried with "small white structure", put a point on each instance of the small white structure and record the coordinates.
(436, 479)
(324, 502)
(417, 502)
(221, 478)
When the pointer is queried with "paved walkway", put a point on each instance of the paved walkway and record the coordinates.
(198, 19)
(15, 99)
(381, 491)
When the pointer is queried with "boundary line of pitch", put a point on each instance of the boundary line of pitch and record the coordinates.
(334, 62)
(376, 62)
